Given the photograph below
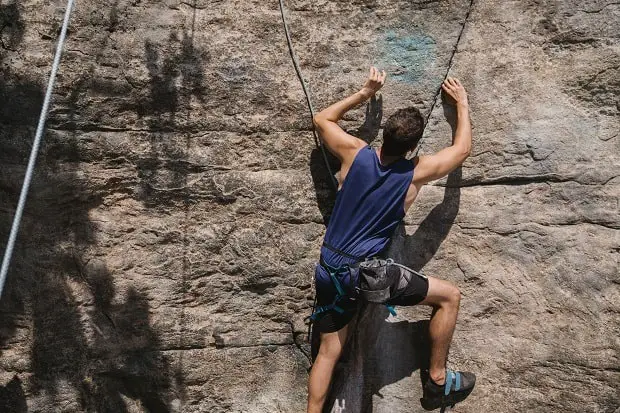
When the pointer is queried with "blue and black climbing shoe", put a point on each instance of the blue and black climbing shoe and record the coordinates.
(459, 384)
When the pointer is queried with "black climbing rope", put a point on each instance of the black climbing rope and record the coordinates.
(304, 86)
(317, 140)
(445, 76)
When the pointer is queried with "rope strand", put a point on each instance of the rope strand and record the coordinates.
(35, 149)
(317, 141)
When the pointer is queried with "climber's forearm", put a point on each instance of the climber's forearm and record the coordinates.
(336, 111)
(462, 135)
(340, 143)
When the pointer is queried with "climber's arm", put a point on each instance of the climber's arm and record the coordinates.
(340, 143)
(436, 166)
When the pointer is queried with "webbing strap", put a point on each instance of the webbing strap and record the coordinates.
(333, 271)
(332, 275)
(449, 377)
(344, 254)
(333, 306)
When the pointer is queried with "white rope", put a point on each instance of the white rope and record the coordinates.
(35, 149)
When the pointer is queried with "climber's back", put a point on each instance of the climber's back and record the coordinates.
(369, 206)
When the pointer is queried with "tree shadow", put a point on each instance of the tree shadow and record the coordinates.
(102, 346)
(176, 72)
(323, 187)
(11, 26)
(20, 102)
(60, 310)
(12, 397)
(380, 353)
(138, 370)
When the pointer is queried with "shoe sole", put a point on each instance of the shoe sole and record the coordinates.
(446, 401)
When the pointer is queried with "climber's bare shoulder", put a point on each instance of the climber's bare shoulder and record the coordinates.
(347, 156)
(424, 171)
(341, 144)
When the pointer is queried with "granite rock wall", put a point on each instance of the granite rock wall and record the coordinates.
(165, 259)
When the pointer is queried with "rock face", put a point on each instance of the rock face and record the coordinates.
(165, 259)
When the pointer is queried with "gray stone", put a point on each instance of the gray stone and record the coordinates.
(166, 255)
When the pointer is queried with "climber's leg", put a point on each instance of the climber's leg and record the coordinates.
(415, 288)
(444, 387)
(445, 298)
(323, 368)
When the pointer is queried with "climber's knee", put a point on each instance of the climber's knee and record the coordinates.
(442, 293)
(454, 295)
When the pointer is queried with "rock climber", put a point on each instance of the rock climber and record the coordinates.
(376, 188)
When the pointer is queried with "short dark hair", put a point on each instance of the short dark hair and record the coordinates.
(402, 131)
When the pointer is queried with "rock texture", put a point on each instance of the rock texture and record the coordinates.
(166, 256)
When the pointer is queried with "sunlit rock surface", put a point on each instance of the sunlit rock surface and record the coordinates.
(166, 255)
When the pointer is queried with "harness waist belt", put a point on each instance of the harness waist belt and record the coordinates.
(342, 268)
(342, 253)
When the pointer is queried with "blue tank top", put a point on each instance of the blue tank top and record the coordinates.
(368, 208)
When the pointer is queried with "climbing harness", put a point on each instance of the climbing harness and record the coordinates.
(382, 280)
(35, 148)
(335, 274)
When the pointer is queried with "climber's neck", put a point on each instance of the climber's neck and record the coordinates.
(387, 159)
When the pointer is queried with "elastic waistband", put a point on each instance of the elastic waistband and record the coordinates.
(342, 268)
(342, 253)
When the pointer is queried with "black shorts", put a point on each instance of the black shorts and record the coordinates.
(332, 320)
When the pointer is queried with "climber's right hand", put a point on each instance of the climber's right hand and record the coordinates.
(375, 81)
(455, 91)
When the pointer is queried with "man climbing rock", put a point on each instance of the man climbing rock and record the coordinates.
(376, 187)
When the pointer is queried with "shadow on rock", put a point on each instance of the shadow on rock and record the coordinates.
(60, 310)
(373, 361)
(11, 26)
(323, 187)
(369, 130)
(84, 334)
(176, 72)
(12, 397)
(134, 369)
(417, 250)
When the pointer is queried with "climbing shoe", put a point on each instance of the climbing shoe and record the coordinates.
(459, 384)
